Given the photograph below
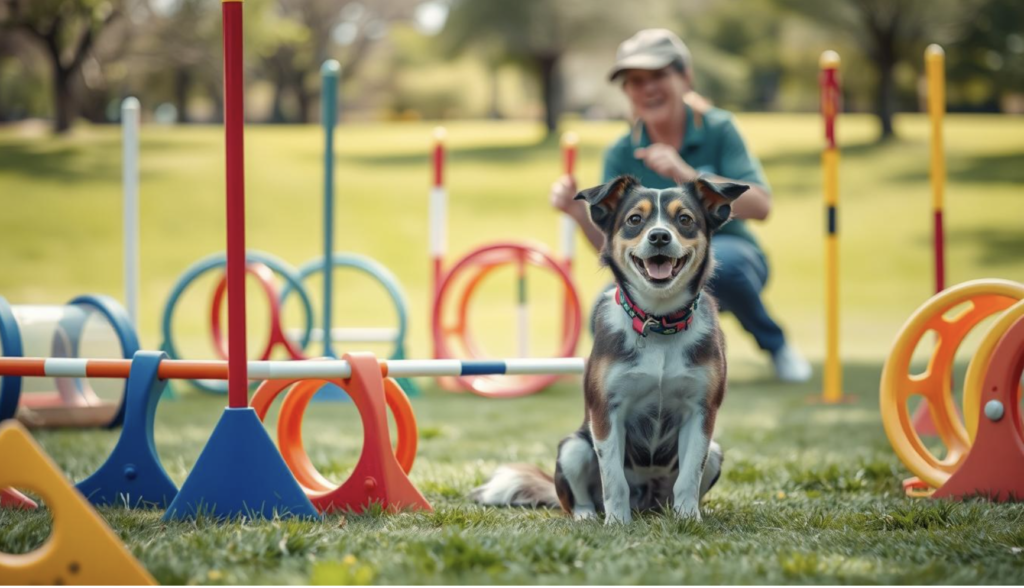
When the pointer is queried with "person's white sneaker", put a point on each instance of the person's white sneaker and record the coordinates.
(790, 366)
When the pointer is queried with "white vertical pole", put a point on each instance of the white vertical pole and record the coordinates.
(130, 185)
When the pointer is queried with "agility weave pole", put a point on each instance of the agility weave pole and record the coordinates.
(935, 64)
(239, 472)
(831, 97)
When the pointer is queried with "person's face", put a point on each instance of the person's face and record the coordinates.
(655, 95)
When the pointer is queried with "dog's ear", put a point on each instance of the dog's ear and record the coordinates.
(604, 199)
(717, 199)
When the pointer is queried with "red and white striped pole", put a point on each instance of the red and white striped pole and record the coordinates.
(570, 142)
(438, 213)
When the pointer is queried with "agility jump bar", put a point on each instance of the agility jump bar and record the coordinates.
(173, 369)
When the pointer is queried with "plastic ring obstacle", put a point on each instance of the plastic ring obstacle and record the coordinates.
(450, 307)
(379, 274)
(324, 495)
(986, 457)
(75, 403)
(217, 261)
(477, 265)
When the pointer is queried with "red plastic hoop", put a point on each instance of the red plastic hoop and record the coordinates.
(485, 260)
(265, 276)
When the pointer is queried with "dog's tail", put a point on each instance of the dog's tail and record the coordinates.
(518, 485)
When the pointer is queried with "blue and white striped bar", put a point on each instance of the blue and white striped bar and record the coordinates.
(408, 368)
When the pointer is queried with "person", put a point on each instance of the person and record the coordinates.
(677, 135)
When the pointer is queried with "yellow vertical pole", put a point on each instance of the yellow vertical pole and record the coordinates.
(935, 66)
(830, 105)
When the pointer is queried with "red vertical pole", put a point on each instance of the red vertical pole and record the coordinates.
(234, 120)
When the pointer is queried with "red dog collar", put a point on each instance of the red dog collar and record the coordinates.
(662, 325)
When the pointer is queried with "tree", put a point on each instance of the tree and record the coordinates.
(888, 31)
(535, 34)
(294, 37)
(67, 30)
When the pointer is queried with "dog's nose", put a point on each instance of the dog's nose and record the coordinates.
(659, 237)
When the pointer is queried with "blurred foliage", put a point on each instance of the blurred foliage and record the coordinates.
(412, 59)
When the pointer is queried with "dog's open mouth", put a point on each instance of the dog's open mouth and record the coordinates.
(660, 269)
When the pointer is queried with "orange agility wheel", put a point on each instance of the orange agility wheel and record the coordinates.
(380, 476)
(950, 315)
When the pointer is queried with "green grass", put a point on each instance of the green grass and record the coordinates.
(810, 493)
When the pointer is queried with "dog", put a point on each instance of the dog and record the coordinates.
(656, 375)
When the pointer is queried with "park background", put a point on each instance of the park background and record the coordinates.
(810, 493)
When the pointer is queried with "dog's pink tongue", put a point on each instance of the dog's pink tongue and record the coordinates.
(658, 271)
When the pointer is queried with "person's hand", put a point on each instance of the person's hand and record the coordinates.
(665, 161)
(563, 192)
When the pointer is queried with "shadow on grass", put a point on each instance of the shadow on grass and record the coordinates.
(813, 158)
(1003, 168)
(67, 162)
(998, 247)
(487, 155)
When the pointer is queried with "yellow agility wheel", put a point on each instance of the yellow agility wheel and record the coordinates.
(973, 302)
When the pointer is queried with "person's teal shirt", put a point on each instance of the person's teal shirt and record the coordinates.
(714, 146)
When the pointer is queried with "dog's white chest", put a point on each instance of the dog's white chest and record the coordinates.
(662, 370)
(662, 373)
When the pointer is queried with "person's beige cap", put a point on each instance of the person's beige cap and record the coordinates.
(650, 49)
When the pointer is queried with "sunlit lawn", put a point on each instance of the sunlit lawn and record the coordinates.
(809, 494)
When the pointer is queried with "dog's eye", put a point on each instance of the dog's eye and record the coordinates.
(685, 220)
(634, 220)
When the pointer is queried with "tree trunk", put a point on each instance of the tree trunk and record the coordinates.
(494, 111)
(885, 100)
(182, 81)
(63, 101)
(277, 105)
(548, 65)
(304, 100)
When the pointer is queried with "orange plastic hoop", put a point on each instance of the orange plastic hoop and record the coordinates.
(289, 425)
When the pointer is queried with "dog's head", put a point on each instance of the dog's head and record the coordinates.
(658, 241)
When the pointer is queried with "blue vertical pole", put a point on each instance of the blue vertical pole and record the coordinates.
(329, 74)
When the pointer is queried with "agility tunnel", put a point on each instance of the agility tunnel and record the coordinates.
(91, 326)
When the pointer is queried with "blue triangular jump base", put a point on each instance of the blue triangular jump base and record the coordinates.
(133, 475)
(240, 473)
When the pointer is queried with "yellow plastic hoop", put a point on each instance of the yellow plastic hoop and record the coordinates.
(986, 297)
(974, 381)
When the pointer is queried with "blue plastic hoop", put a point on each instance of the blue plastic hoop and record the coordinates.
(10, 339)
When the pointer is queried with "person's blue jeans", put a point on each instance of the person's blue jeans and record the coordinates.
(741, 273)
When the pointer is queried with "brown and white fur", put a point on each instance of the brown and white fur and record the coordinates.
(650, 402)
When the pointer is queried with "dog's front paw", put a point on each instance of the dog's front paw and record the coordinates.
(584, 514)
(688, 509)
(617, 516)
